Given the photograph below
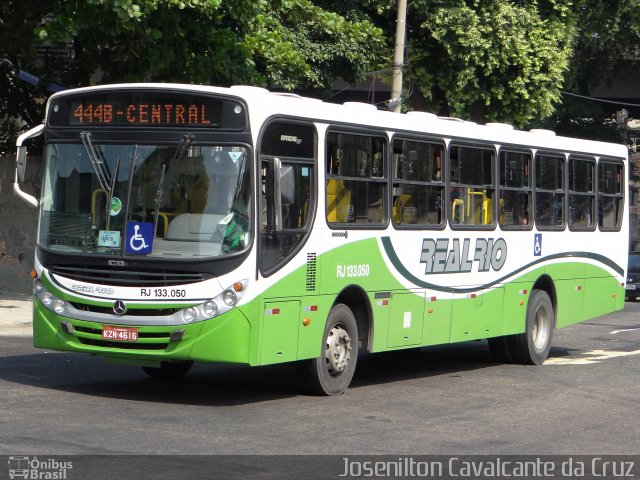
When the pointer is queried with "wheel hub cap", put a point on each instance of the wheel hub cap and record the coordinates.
(337, 350)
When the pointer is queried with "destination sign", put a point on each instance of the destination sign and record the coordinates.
(147, 109)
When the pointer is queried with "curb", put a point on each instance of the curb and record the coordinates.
(16, 312)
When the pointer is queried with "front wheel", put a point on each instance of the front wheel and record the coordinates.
(332, 371)
(169, 370)
(532, 347)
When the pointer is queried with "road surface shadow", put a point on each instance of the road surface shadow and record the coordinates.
(225, 384)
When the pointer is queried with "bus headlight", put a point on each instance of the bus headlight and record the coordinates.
(47, 298)
(216, 306)
(229, 298)
(37, 286)
(210, 308)
(189, 315)
(59, 306)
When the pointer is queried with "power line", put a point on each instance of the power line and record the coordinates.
(593, 99)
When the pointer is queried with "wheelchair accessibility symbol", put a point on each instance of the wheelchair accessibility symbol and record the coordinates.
(139, 237)
(537, 245)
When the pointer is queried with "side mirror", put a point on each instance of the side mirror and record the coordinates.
(21, 162)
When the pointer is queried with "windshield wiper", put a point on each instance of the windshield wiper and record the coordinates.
(112, 188)
(181, 151)
(183, 147)
(98, 165)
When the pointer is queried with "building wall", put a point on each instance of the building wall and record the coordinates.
(17, 226)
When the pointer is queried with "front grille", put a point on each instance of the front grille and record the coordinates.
(133, 312)
(123, 278)
(122, 345)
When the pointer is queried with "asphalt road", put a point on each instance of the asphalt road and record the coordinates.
(447, 400)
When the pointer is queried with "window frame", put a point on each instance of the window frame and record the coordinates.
(621, 195)
(593, 193)
(442, 183)
(529, 189)
(449, 185)
(383, 180)
(564, 156)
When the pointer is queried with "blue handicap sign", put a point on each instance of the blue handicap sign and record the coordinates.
(537, 245)
(139, 237)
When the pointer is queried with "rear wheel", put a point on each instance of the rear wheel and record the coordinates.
(532, 347)
(332, 371)
(499, 349)
(169, 370)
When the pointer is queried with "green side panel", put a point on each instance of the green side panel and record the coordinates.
(598, 296)
(476, 318)
(514, 312)
(358, 263)
(569, 281)
(570, 299)
(406, 319)
(313, 316)
(437, 320)
(279, 332)
(381, 310)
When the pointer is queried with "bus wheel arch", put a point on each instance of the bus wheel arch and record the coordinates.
(358, 302)
(545, 283)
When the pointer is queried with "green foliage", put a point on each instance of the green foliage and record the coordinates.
(494, 60)
(607, 42)
(302, 46)
(281, 43)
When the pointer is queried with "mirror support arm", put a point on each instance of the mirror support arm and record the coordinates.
(21, 164)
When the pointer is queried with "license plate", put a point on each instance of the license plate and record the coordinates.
(120, 334)
(631, 287)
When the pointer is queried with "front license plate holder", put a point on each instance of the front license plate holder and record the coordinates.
(120, 334)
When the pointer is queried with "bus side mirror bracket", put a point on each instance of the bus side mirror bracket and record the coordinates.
(21, 164)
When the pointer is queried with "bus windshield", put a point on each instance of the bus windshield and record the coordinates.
(156, 200)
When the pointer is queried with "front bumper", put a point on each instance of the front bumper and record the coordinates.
(225, 338)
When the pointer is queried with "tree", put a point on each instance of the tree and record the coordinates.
(494, 60)
(292, 44)
(606, 46)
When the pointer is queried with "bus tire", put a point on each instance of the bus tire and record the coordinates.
(499, 348)
(532, 347)
(332, 371)
(169, 370)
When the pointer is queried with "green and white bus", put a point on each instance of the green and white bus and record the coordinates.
(182, 224)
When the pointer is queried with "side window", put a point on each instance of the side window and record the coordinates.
(471, 191)
(417, 183)
(610, 195)
(582, 194)
(356, 183)
(515, 189)
(287, 186)
(549, 191)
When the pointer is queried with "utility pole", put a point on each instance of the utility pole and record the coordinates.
(398, 57)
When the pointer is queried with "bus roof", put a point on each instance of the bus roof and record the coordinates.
(264, 104)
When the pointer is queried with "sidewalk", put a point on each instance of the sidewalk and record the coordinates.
(15, 314)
